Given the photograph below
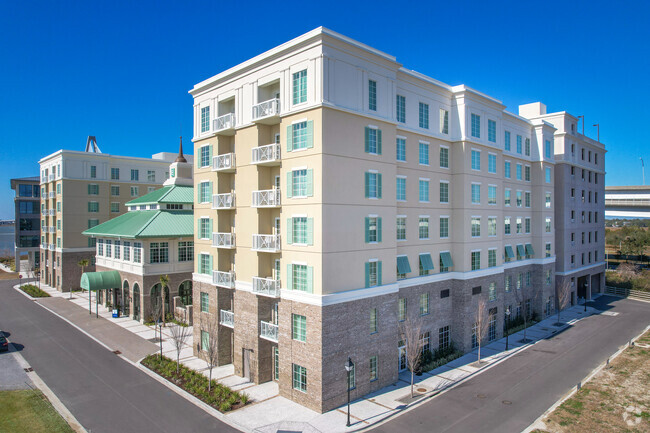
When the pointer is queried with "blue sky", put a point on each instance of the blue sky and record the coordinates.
(120, 70)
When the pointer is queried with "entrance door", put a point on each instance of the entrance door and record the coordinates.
(247, 364)
(402, 356)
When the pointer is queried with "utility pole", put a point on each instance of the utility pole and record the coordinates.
(597, 125)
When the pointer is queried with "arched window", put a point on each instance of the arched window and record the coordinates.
(155, 298)
(185, 292)
(136, 302)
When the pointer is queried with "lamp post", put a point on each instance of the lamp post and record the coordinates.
(508, 323)
(585, 302)
(597, 125)
(348, 367)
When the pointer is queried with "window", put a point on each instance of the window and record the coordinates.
(424, 153)
(401, 149)
(443, 337)
(93, 172)
(205, 302)
(476, 160)
(93, 189)
(444, 227)
(548, 149)
(300, 278)
(506, 169)
(424, 304)
(492, 194)
(401, 314)
(373, 229)
(519, 144)
(476, 126)
(444, 157)
(58, 190)
(444, 192)
(547, 175)
(115, 207)
(518, 170)
(506, 225)
(205, 340)
(205, 156)
(424, 115)
(548, 225)
(425, 342)
(373, 320)
(373, 368)
(205, 119)
(301, 230)
(135, 175)
(137, 252)
(548, 200)
(527, 225)
(373, 184)
(299, 327)
(492, 226)
(518, 225)
(401, 228)
(492, 258)
(423, 228)
(492, 163)
(300, 87)
(300, 184)
(109, 246)
(527, 173)
(186, 251)
(492, 131)
(159, 252)
(205, 229)
(93, 206)
(506, 197)
(476, 193)
(151, 175)
(299, 378)
(506, 140)
(302, 135)
(373, 273)
(127, 251)
(492, 292)
(372, 95)
(424, 190)
(527, 199)
(527, 147)
(519, 198)
(444, 121)
(91, 222)
(400, 109)
(476, 260)
(135, 191)
(115, 190)
(548, 277)
(548, 251)
(492, 324)
(425, 264)
(476, 290)
(476, 227)
(115, 173)
(400, 188)
(445, 261)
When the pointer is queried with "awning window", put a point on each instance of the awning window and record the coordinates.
(403, 266)
(509, 252)
(426, 262)
(529, 250)
(446, 259)
(520, 250)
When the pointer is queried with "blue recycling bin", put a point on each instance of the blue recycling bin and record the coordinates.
(116, 313)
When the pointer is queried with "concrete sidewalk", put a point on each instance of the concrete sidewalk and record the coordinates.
(269, 412)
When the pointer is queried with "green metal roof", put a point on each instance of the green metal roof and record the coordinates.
(101, 280)
(147, 224)
(166, 194)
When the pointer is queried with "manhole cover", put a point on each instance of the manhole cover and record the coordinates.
(480, 395)
(506, 402)
(421, 390)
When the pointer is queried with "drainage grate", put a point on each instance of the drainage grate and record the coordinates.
(506, 402)
(28, 370)
(117, 352)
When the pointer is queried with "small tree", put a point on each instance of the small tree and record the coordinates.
(563, 296)
(180, 334)
(482, 323)
(523, 294)
(411, 332)
(164, 282)
(210, 325)
(156, 312)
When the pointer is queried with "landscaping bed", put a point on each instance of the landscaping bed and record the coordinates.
(220, 397)
(27, 411)
(33, 291)
(440, 357)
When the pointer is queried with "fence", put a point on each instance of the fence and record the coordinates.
(627, 293)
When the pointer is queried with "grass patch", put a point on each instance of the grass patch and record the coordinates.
(220, 397)
(33, 291)
(27, 411)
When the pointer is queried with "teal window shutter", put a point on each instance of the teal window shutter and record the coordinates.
(367, 184)
(310, 231)
(367, 140)
(289, 138)
(378, 185)
(199, 267)
(210, 262)
(379, 273)
(198, 228)
(310, 279)
(289, 184)
(209, 155)
(88, 206)
(367, 230)
(290, 277)
(379, 141)
(289, 230)
(88, 189)
(367, 274)
(309, 138)
(378, 229)
(198, 159)
(310, 182)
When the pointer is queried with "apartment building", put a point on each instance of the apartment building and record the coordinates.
(28, 228)
(80, 190)
(341, 196)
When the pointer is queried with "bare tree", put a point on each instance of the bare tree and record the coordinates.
(164, 282)
(180, 335)
(210, 325)
(411, 332)
(481, 324)
(523, 294)
(563, 296)
(156, 312)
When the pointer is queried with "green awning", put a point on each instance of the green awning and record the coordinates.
(520, 250)
(529, 250)
(446, 259)
(403, 266)
(101, 280)
(426, 262)
(509, 252)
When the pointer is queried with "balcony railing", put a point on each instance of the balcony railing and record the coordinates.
(267, 154)
(52, 229)
(227, 318)
(223, 201)
(269, 331)
(225, 162)
(51, 194)
(224, 123)
(44, 212)
(52, 177)
(52, 247)
(223, 279)
(266, 286)
(266, 243)
(52, 212)
(266, 198)
(223, 240)
(267, 110)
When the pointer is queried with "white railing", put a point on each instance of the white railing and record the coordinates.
(268, 243)
(223, 279)
(223, 162)
(227, 318)
(52, 247)
(52, 229)
(266, 286)
(268, 331)
(44, 212)
(223, 240)
(266, 198)
(51, 194)
(43, 179)
(52, 212)
(266, 109)
(223, 201)
(267, 153)
(227, 121)
(52, 177)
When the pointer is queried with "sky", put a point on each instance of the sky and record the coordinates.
(121, 70)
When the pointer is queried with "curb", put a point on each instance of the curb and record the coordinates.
(538, 422)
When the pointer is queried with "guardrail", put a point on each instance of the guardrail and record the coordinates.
(627, 293)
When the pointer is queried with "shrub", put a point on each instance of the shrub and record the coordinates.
(34, 291)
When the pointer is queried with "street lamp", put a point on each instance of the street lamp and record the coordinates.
(348, 367)
(585, 303)
(507, 326)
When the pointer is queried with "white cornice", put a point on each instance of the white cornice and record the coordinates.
(582, 269)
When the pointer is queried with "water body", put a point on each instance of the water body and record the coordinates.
(7, 240)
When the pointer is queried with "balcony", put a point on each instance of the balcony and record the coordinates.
(44, 212)
(223, 201)
(266, 243)
(266, 286)
(51, 194)
(266, 198)
(267, 112)
(269, 331)
(223, 240)
(224, 163)
(223, 279)
(227, 318)
(52, 247)
(225, 125)
(52, 177)
(266, 155)
(52, 212)
(52, 229)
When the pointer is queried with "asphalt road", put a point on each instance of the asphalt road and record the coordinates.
(513, 394)
(104, 392)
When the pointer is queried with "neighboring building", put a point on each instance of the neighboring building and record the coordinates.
(627, 201)
(154, 238)
(339, 194)
(27, 227)
(80, 190)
